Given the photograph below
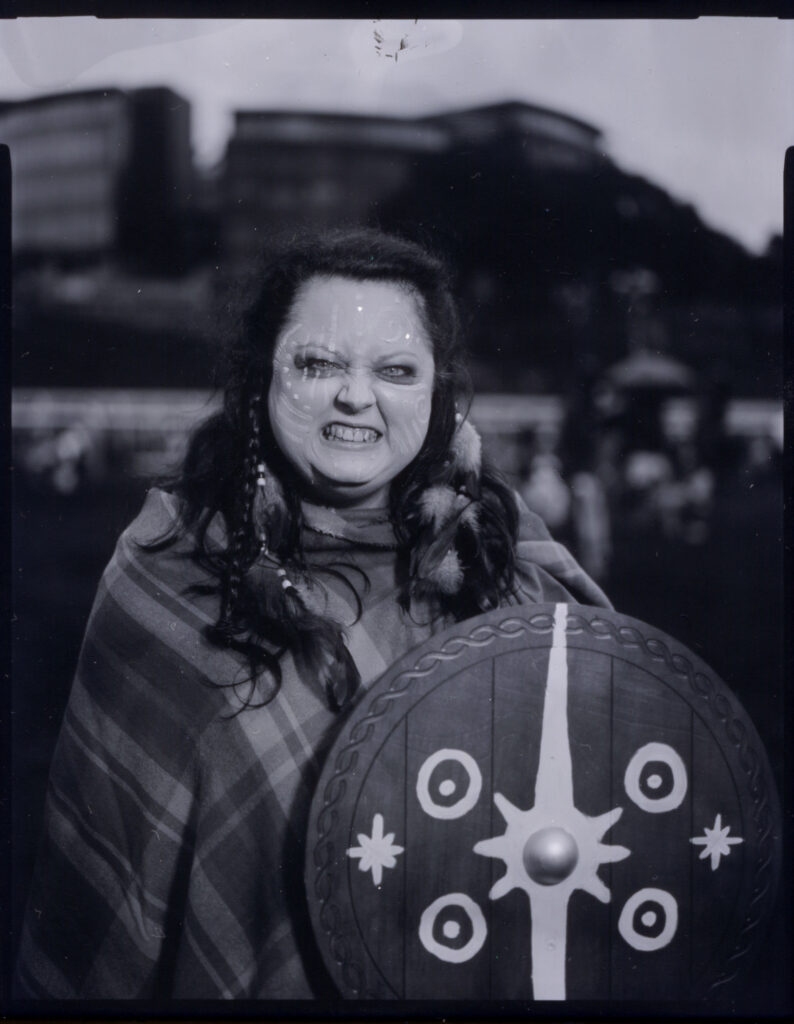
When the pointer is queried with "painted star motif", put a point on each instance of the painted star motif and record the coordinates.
(521, 825)
(716, 842)
(377, 851)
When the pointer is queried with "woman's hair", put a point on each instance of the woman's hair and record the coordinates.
(220, 474)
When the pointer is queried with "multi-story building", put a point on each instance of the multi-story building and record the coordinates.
(539, 223)
(539, 137)
(286, 170)
(67, 155)
(290, 170)
(99, 174)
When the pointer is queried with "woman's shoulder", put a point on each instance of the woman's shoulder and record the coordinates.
(157, 553)
(162, 530)
(530, 525)
(160, 516)
(545, 566)
(155, 601)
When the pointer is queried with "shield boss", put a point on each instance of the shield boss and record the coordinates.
(549, 802)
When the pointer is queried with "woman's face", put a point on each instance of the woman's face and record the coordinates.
(352, 387)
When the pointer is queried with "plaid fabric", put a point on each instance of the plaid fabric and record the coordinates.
(172, 856)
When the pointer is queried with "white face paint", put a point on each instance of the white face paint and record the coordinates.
(352, 385)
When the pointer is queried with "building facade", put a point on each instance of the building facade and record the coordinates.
(288, 170)
(98, 175)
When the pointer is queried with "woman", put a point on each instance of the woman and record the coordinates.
(335, 514)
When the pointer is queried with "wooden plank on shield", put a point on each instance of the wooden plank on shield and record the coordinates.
(379, 900)
(519, 692)
(717, 876)
(448, 765)
(590, 734)
(652, 771)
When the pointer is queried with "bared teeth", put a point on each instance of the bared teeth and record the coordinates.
(359, 435)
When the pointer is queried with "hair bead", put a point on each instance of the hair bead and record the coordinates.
(286, 582)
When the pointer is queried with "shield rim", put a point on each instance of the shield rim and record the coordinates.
(377, 713)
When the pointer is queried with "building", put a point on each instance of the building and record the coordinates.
(286, 170)
(99, 175)
(539, 224)
(539, 137)
(67, 155)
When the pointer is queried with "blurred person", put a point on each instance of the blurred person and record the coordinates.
(716, 448)
(65, 460)
(693, 493)
(584, 454)
(333, 515)
(591, 523)
(543, 488)
(763, 457)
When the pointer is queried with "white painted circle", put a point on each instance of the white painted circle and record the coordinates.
(469, 798)
(447, 787)
(478, 928)
(654, 781)
(451, 929)
(649, 943)
(656, 752)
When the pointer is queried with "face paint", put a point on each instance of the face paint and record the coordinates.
(352, 387)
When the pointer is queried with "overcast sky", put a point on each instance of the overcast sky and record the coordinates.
(704, 108)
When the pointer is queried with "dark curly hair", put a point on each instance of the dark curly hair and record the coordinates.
(219, 472)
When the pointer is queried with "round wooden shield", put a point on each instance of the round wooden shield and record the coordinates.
(549, 802)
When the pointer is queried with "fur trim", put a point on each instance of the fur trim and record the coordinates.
(466, 449)
(448, 574)
(471, 516)
(437, 504)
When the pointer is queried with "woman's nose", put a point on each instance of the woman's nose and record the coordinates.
(356, 393)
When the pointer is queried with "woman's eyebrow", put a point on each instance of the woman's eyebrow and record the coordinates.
(401, 354)
(315, 345)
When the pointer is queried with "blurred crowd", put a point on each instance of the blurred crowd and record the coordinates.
(638, 454)
(641, 457)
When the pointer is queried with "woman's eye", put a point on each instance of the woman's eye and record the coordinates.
(315, 366)
(397, 372)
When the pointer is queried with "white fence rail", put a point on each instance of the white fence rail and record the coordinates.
(177, 410)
